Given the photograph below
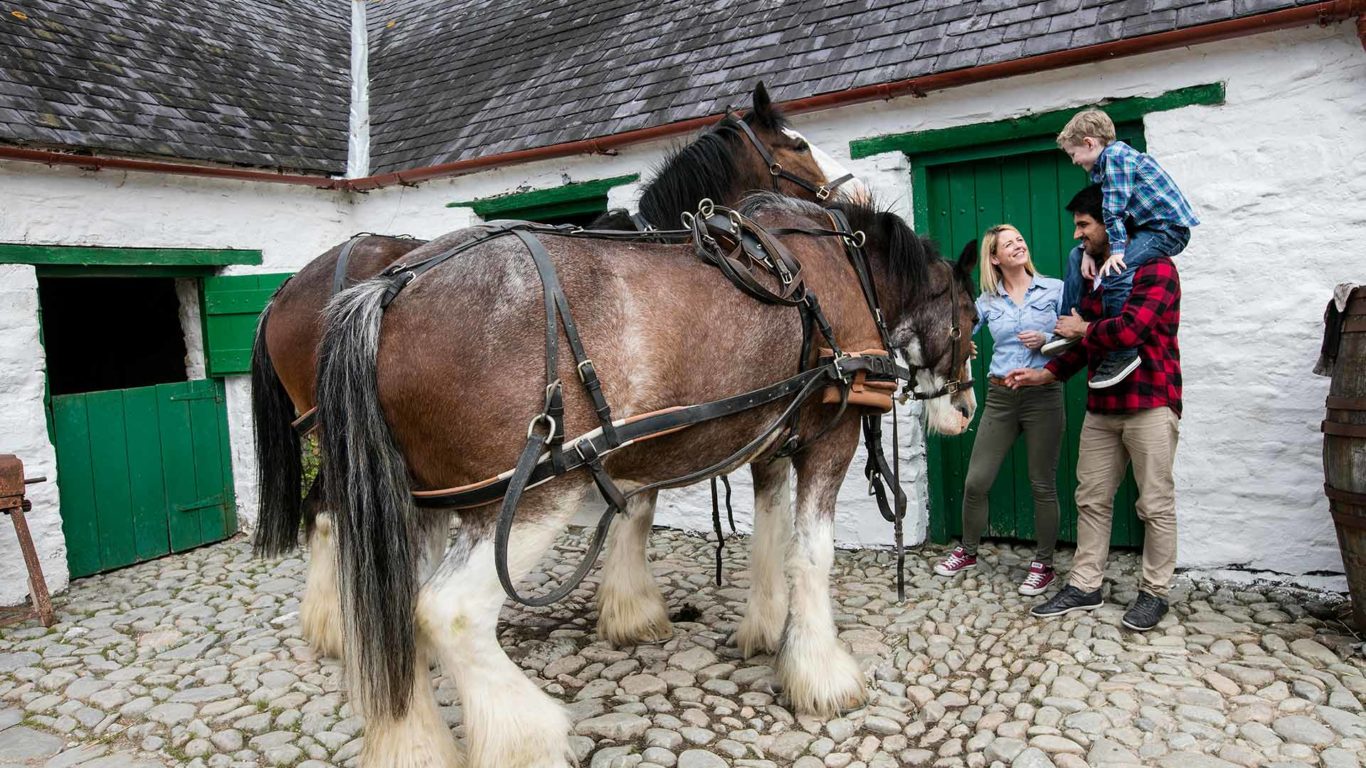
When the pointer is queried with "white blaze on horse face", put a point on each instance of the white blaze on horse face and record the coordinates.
(854, 189)
(944, 418)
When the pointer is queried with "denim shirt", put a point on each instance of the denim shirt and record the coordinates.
(1004, 319)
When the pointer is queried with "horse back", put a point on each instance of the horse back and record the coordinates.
(462, 355)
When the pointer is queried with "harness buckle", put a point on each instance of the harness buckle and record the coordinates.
(550, 391)
(583, 376)
(587, 459)
(550, 429)
(874, 477)
(823, 193)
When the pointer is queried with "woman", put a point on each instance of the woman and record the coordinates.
(1020, 309)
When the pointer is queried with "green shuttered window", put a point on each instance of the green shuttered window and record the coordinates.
(231, 307)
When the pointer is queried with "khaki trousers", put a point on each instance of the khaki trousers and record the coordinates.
(1108, 443)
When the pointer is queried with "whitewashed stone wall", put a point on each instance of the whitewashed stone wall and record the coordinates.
(23, 432)
(1270, 172)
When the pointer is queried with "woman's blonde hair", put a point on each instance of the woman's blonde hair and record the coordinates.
(990, 275)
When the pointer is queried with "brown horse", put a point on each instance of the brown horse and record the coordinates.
(722, 164)
(439, 395)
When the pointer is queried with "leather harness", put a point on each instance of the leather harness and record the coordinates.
(735, 245)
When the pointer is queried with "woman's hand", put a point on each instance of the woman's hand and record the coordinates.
(1031, 339)
(1029, 377)
(972, 353)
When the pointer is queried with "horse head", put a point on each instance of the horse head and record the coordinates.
(930, 313)
(758, 151)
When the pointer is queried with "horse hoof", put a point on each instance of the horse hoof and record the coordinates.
(823, 682)
(627, 622)
(757, 638)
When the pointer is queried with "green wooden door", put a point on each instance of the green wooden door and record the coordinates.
(142, 472)
(1026, 184)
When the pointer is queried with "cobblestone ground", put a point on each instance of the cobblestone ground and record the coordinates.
(196, 660)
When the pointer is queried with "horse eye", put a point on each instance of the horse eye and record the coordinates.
(802, 146)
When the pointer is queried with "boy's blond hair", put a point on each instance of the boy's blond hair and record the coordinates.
(990, 275)
(1090, 122)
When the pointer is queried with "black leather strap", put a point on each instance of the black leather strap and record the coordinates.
(582, 363)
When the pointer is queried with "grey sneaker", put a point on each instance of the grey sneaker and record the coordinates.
(1059, 345)
(1146, 611)
(1113, 370)
(1068, 600)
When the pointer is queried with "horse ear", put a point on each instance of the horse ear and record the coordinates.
(763, 105)
(967, 261)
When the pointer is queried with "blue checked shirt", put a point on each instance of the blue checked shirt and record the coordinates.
(1134, 187)
(1004, 319)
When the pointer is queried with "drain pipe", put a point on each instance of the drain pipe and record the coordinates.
(358, 138)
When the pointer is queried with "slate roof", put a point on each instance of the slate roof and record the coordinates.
(470, 78)
(265, 82)
(252, 82)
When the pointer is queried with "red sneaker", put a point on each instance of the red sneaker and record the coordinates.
(957, 562)
(1039, 578)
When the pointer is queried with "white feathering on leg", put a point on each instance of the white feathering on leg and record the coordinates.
(631, 609)
(819, 676)
(761, 630)
(320, 619)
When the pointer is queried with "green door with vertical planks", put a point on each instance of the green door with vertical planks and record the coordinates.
(143, 472)
(1026, 183)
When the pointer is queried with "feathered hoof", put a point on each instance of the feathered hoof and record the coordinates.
(421, 740)
(820, 678)
(759, 634)
(637, 619)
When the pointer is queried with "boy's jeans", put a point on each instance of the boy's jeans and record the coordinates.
(1145, 245)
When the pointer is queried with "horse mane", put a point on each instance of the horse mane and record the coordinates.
(704, 168)
(910, 255)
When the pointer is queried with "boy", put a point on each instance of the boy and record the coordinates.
(1146, 216)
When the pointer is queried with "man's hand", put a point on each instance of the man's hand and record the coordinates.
(1029, 377)
(1088, 266)
(972, 351)
(1031, 339)
(1071, 326)
(1113, 265)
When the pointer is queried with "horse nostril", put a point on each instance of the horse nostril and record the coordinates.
(963, 409)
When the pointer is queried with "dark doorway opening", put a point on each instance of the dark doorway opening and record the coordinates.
(103, 333)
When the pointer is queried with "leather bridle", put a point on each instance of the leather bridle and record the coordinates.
(775, 169)
(956, 384)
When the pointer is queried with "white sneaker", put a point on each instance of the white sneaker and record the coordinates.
(1058, 345)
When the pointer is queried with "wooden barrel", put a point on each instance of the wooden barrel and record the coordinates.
(1344, 450)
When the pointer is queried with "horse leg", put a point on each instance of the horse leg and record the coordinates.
(818, 674)
(631, 609)
(320, 609)
(762, 628)
(509, 722)
(421, 738)
(320, 618)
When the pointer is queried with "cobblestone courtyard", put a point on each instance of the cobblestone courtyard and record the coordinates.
(196, 660)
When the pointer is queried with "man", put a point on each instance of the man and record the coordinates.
(1136, 421)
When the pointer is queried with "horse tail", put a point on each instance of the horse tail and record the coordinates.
(368, 491)
(279, 465)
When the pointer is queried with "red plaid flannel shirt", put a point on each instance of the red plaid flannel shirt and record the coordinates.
(1149, 322)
